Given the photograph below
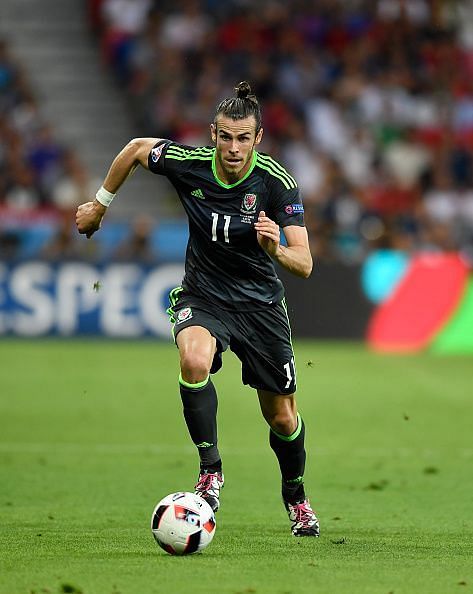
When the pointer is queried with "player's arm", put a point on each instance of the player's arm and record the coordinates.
(296, 256)
(89, 215)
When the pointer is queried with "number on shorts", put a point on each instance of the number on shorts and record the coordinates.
(290, 376)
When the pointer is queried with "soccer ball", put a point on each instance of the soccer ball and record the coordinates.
(183, 523)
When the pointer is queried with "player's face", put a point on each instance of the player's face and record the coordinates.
(235, 141)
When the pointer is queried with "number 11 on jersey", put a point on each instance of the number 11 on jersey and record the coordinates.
(226, 226)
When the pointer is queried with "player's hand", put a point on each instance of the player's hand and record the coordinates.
(268, 234)
(89, 217)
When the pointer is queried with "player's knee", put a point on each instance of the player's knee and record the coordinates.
(283, 422)
(195, 367)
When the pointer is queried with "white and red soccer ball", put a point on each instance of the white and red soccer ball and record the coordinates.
(183, 523)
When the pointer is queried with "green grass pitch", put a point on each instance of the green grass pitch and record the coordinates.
(92, 436)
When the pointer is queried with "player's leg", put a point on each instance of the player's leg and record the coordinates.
(286, 438)
(197, 348)
(263, 344)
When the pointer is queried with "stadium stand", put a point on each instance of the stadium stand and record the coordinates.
(54, 85)
(368, 102)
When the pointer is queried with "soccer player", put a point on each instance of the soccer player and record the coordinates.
(236, 200)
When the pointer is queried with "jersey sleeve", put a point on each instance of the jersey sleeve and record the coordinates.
(162, 163)
(287, 208)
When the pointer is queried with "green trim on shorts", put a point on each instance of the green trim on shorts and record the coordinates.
(174, 294)
(296, 433)
(173, 299)
(284, 304)
(193, 386)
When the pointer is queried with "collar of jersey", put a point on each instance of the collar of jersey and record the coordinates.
(220, 183)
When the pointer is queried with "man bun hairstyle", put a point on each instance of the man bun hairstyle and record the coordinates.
(243, 90)
(245, 104)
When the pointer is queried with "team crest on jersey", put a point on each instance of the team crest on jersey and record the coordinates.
(248, 204)
(184, 315)
(156, 153)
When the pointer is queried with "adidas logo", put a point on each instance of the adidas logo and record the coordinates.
(198, 194)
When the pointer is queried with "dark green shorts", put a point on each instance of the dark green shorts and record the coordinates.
(260, 339)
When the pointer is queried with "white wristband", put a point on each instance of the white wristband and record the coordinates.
(104, 196)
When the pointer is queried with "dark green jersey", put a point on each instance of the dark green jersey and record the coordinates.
(224, 262)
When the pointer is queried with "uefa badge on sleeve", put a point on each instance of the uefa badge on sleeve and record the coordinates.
(294, 209)
(156, 153)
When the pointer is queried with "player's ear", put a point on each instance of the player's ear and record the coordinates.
(213, 132)
(259, 136)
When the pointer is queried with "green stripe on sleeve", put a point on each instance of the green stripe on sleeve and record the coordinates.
(188, 158)
(277, 170)
(198, 149)
(284, 180)
(279, 167)
(286, 185)
(181, 154)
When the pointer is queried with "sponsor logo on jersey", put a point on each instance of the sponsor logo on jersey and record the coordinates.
(248, 204)
(293, 209)
(156, 153)
(183, 315)
(198, 194)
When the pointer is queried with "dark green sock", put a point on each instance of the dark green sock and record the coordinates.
(200, 403)
(291, 455)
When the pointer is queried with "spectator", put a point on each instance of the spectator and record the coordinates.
(74, 184)
(138, 246)
(23, 193)
(64, 243)
(122, 21)
(45, 156)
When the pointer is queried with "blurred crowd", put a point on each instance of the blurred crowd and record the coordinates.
(369, 104)
(41, 179)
